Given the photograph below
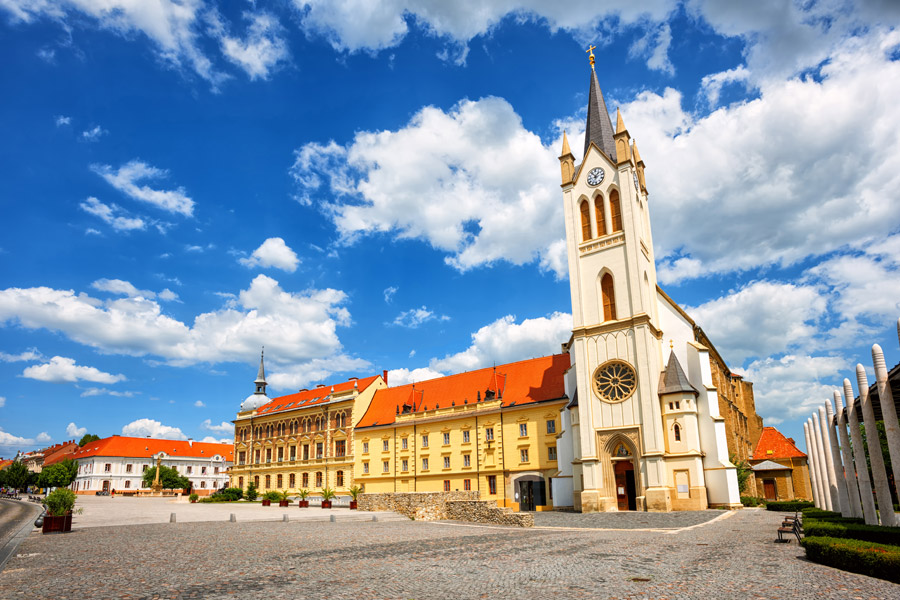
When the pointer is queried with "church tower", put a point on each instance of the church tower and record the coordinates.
(616, 343)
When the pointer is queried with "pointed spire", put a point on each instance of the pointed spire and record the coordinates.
(566, 150)
(261, 375)
(637, 155)
(599, 127)
(673, 380)
(620, 124)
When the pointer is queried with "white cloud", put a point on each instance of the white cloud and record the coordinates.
(792, 386)
(74, 431)
(168, 295)
(223, 427)
(711, 85)
(414, 317)
(48, 55)
(64, 370)
(199, 404)
(299, 330)
(94, 391)
(261, 51)
(126, 179)
(398, 377)
(480, 209)
(110, 214)
(92, 135)
(10, 441)
(29, 355)
(809, 166)
(211, 440)
(389, 294)
(2, 401)
(62, 120)
(505, 341)
(43, 437)
(152, 429)
(761, 319)
(653, 46)
(273, 253)
(299, 375)
(119, 286)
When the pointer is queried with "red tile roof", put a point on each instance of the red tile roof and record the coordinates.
(5, 463)
(134, 447)
(518, 383)
(772, 440)
(60, 452)
(318, 395)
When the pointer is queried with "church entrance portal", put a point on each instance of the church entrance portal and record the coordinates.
(531, 493)
(625, 491)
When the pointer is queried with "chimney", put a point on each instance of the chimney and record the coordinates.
(191, 442)
(384, 376)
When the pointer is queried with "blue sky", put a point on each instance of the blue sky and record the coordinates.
(376, 187)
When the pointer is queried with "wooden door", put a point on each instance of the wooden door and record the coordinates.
(769, 489)
(625, 488)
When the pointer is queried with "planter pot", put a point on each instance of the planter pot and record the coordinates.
(193, 502)
(267, 503)
(326, 503)
(284, 503)
(353, 505)
(57, 524)
(303, 503)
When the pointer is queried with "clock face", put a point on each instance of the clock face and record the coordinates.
(595, 176)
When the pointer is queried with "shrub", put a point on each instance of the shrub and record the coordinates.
(328, 493)
(818, 513)
(59, 502)
(856, 531)
(194, 497)
(251, 492)
(789, 505)
(272, 496)
(229, 495)
(753, 501)
(856, 556)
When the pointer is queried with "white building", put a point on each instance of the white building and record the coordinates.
(643, 428)
(118, 463)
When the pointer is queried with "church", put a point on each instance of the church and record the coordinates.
(638, 412)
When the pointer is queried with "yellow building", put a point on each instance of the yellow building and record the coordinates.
(492, 430)
(300, 441)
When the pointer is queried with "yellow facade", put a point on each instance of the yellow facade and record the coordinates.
(478, 446)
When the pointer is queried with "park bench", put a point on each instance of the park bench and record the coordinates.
(791, 525)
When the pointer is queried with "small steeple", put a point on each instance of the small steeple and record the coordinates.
(620, 124)
(673, 380)
(261, 375)
(639, 166)
(599, 127)
(566, 162)
(623, 140)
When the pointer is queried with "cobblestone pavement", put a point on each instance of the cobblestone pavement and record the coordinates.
(732, 557)
(626, 520)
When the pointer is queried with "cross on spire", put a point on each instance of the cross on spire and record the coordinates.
(591, 51)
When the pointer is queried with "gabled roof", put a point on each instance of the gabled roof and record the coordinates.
(318, 395)
(599, 127)
(134, 447)
(60, 452)
(516, 384)
(768, 465)
(772, 445)
(673, 380)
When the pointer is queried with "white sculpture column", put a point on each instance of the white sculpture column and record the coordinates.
(849, 469)
(811, 467)
(836, 462)
(888, 411)
(827, 496)
(859, 454)
(882, 490)
(830, 471)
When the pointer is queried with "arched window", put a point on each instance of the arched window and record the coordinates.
(318, 479)
(601, 216)
(585, 221)
(268, 481)
(293, 480)
(677, 430)
(609, 298)
(339, 479)
(615, 211)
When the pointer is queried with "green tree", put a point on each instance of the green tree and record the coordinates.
(743, 472)
(251, 491)
(59, 475)
(168, 478)
(17, 476)
(88, 438)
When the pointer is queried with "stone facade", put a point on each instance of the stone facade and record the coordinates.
(439, 506)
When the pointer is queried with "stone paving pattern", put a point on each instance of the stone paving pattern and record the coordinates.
(732, 557)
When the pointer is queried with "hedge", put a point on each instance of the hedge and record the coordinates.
(818, 513)
(856, 556)
(856, 531)
(789, 505)
(752, 501)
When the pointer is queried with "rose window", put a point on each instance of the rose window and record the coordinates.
(614, 381)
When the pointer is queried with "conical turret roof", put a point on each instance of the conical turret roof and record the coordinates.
(261, 375)
(673, 380)
(599, 127)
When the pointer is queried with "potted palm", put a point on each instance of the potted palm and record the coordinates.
(327, 496)
(283, 501)
(355, 491)
(193, 498)
(60, 503)
(303, 502)
(270, 497)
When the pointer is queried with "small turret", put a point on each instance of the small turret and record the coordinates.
(623, 140)
(639, 166)
(258, 397)
(566, 162)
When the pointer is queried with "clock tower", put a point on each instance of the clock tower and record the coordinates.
(635, 415)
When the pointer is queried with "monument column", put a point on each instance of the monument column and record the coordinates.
(811, 464)
(859, 454)
(888, 411)
(849, 468)
(820, 462)
(882, 489)
(836, 464)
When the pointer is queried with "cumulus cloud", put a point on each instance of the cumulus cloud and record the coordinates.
(199, 404)
(95, 391)
(398, 377)
(505, 341)
(14, 442)
(43, 437)
(127, 177)
(152, 429)
(480, 210)
(261, 51)
(112, 215)
(27, 356)
(284, 375)
(417, 316)
(223, 427)
(94, 134)
(794, 385)
(74, 431)
(64, 370)
(211, 440)
(300, 328)
(273, 252)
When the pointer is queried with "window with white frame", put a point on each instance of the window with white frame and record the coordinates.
(446, 438)
(467, 460)
(466, 436)
(523, 454)
(446, 462)
(523, 429)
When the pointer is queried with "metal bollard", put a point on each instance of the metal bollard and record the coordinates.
(333, 519)
(285, 519)
(172, 518)
(374, 518)
(232, 519)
